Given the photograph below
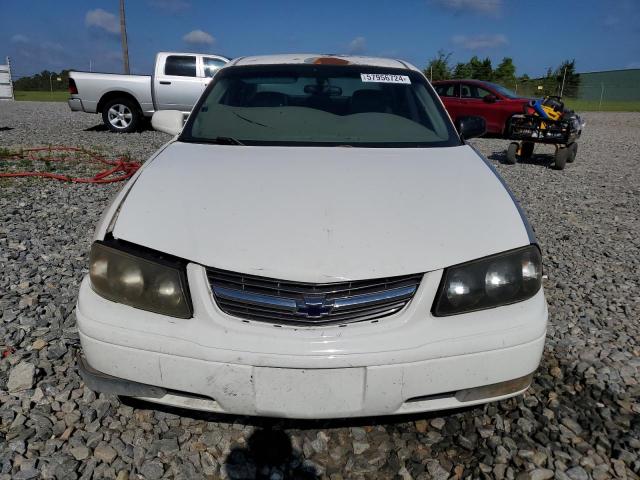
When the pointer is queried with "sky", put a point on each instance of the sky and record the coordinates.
(77, 34)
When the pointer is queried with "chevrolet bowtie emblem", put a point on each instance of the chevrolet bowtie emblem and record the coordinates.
(314, 306)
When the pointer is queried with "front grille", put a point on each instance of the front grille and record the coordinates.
(251, 297)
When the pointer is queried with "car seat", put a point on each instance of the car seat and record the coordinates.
(370, 101)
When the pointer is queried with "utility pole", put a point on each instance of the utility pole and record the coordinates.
(563, 77)
(123, 36)
(13, 95)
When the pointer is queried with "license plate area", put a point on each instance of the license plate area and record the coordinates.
(288, 392)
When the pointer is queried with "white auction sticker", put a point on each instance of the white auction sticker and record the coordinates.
(384, 78)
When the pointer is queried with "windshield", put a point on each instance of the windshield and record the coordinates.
(504, 91)
(320, 105)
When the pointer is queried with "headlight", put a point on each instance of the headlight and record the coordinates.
(137, 279)
(490, 282)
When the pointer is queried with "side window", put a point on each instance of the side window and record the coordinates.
(446, 90)
(181, 66)
(475, 92)
(481, 92)
(212, 65)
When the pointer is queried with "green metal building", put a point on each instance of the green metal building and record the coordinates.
(612, 85)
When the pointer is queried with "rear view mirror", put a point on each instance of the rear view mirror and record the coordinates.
(168, 121)
(471, 127)
(490, 98)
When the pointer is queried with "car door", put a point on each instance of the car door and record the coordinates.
(178, 85)
(478, 101)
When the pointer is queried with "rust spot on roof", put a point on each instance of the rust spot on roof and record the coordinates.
(331, 61)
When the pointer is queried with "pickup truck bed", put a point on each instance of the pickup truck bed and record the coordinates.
(101, 84)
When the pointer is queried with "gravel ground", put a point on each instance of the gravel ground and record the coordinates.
(579, 420)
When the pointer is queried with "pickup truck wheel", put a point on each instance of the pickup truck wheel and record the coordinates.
(121, 115)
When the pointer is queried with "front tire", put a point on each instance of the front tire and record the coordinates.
(526, 152)
(512, 152)
(562, 155)
(574, 151)
(121, 115)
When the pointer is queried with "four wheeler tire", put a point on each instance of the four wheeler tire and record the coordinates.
(562, 155)
(512, 151)
(526, 151)
(121, 115)
(574, 151)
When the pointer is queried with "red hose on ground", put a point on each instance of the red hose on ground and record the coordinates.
(119, 169)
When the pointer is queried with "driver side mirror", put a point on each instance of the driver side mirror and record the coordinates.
(471, 127)
(168, 121)
(490, 98)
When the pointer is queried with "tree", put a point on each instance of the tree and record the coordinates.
(505, 73)
(438, 67)
(462, 70)
(567, 71)
(549, 83)
(43, 81)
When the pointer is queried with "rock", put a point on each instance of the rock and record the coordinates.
(39, 344)
(152, 470)
(577, 473)
(21, 377)
(421, 425)
(359, 447)
(27, 474)
(122, 475)
(438, 423)
(80, 453)
(541, 474)
(572, 425)
(105, 453)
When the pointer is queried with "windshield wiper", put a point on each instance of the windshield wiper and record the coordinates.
(226, 141)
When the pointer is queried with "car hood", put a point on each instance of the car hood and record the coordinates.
(320, 214)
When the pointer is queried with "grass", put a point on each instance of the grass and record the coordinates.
(607, 106)
(34, 96)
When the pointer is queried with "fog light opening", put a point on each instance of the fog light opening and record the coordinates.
(494, 390)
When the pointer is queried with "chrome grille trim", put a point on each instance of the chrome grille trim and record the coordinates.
(282, 302)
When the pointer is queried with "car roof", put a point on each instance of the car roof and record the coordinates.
(302, 58)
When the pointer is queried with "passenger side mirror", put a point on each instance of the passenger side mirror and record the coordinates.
(471, 127)
(490, 98)
(168, 121)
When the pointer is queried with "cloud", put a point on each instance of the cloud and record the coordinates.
(477, 6)
(102, 19)
(172, 6)
(357, 45)
(198, 37)
(19, 38)
(480, 42)
(632, 65)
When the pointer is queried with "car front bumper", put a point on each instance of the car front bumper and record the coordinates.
(409, 362)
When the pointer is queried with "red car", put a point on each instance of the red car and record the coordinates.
(495, 103)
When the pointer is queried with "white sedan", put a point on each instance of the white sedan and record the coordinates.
(318, 241)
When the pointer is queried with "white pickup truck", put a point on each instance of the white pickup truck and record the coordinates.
(177, 82)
